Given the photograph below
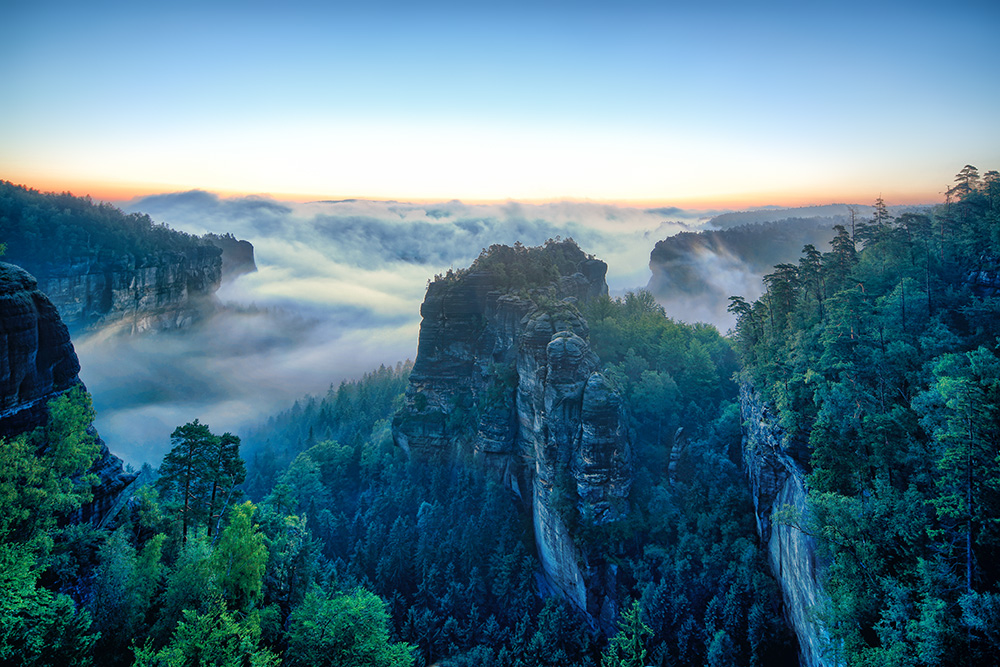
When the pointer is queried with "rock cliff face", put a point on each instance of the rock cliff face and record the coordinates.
(237, 255)
(37, 360)
(37, 364)
(777, 479)
(167, 290)
(509, 381)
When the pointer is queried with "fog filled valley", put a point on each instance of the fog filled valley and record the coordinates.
(240, 430)
(338, 290)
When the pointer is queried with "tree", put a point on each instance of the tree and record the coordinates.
(240, 557)
(184, 469)
(346, 630)
(43, 473)
(198, 471)
(628, 647)
(226, 471)
(38, 627)
(213, 638)
(963, 414)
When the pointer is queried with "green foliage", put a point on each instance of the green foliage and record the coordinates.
(123, 590)
(351, 414)
(37, 626)
(346, 630)
(520, 267)
(45, 230)
(674, 375)
(239, 559)
(42, 481)
(628, 647)
(882, 357)
(43, 473)
(213, 638)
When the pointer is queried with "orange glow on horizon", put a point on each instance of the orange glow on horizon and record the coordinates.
(125, 192)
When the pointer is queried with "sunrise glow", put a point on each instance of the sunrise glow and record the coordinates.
(643, 106)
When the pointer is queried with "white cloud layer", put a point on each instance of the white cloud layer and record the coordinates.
(337, 293)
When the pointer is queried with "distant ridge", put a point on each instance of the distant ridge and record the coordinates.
(769, 214)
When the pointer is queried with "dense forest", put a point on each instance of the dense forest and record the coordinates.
(881, 358)
(331, 547)
(43, 230)
(314, 540)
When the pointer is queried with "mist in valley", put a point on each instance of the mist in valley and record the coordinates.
(337, 293)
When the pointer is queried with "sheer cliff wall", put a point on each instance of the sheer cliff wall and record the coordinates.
(777, 481)
(166, 290)
(508, 381)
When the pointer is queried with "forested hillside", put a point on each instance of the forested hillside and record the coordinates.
(42, 229)
(880, 356)
(351, 554)
(99, 265)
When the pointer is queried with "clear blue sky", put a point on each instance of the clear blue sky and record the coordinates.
(714, 103)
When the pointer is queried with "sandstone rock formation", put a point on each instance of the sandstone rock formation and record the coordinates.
(37, 360)
(777, 480)
(237, 255)
(167, 290)
(37, 364)
(506, 378)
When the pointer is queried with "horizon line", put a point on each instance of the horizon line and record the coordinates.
(125, 194)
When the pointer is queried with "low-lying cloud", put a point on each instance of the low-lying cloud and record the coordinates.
(337, 293)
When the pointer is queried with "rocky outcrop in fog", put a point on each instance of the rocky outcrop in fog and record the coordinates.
(776, 473)
(37, 364)
(695, 273)
(237, 255)
(167, 290)
(506, 378)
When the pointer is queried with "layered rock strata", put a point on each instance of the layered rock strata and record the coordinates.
(166, 290)
(37, 364)
(777, 474)
(509, 381)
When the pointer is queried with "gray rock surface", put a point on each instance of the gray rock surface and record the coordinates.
(237, 255)
(168, 290)
(777, 481)
(508, 381)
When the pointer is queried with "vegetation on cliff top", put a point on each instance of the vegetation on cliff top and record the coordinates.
(519, 267)
(42, 229)
(881, 355)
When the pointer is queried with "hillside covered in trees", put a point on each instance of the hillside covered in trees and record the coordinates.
(343, 551)
(315, 540)
(42, 229)
(881, 359)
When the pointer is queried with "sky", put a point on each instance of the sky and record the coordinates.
(715, 105)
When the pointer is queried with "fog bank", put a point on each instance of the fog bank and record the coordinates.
(337, 293)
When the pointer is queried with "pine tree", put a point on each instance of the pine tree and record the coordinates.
(184, 470)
